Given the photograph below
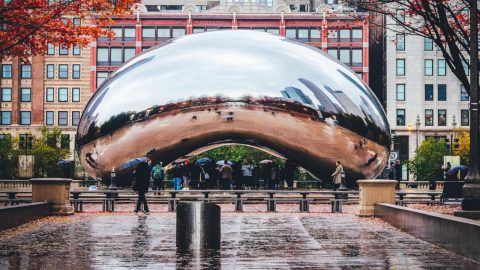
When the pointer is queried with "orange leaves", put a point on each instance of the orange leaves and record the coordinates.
(29, 25)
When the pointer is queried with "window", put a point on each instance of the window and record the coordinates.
(442, 117)
(344, 35)
(333, 52)
(6, 94)
(115, 56)
(442, 68)
(101, 77)
(400, 117)
(118, 33)
(6, 71)
(25, 118)
(75, 118)
(148, 33)
(303, 34)
(357, 57)
(332, 36)
(466, 67)
(76, 94)
(400, 92)
(26, 71)
(315, 34)
(49, 118)
(128, 53)
(65, 141)
(50, 71)
(102, 56)
(63, 71)
(428, 117)
(195, 30)
(357, 34)
(442, 92)
(164, 32)
(291, 33)
(428, 92)
(49, 94)
(77, 21)
(63, 50)
(400, 42)
(428, 65)
(400, 15)
(345, 56)
(76, 71)
(6, 118)
(62, 118)
(463, 94)
(400, 63)
(76, 50)
(25, 94)
(427, 44)
(50, 49)
(178, 32)
(465, 117)
(62, 94)
(129, 33)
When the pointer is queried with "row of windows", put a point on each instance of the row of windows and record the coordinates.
(441, 92)
(400, 43)
(62, 94)
(62, 71)
(6, 117)
(441, 117)
(62, 118)
(25, 118)
(76, 50)
(114, 56)
(350, 57)
(428, 67)
(24, 93)
(25, 71)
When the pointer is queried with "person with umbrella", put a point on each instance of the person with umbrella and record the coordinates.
(141, 183)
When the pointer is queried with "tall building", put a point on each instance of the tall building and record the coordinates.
(51, 90)
(424, 98)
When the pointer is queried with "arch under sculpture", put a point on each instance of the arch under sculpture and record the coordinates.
(203, 90)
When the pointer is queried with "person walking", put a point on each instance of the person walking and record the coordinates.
(247, 174)
(398, 173)
(141, 183)
(391, 171)
(337, 175)
(275, 175)
(158, 175)
(226, 173)
(177, 176)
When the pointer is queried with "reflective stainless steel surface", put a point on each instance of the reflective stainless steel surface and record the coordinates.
(204, 90)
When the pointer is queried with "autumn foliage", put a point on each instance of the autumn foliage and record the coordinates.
(27, 26)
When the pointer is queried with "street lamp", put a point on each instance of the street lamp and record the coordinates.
(417, 126)
(452, 136)
(471, 189)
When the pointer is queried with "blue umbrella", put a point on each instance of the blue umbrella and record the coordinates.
(63, 163)
(455, 169)
(203, 161)
(132, 163)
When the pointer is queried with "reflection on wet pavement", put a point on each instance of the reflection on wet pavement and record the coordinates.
(249, 241)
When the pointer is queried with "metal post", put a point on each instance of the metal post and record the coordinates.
(113, 176)
(471, 189)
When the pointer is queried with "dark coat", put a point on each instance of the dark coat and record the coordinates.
(142, 177)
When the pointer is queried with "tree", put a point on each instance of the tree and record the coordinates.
(47, 153)
(446, 23)
(238, 153)
(428, 160)
(27, 26)
(463, 149)
(8, 157)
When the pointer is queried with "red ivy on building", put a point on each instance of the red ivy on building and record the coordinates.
(27, 26)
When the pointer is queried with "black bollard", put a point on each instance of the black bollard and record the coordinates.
(198, 226)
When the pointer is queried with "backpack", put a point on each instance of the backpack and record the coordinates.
(157, 173)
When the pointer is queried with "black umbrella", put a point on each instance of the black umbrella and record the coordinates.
(63, 163)
(266, 161)
(132, 163)
(203, 161)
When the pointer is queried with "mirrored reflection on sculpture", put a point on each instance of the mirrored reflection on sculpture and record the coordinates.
(204, 90)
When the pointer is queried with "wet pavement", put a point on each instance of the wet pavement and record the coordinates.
(249, 241)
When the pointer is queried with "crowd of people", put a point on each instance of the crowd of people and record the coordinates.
(225, 175)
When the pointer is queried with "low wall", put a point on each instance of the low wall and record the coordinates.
(12, 216)
(459, 235)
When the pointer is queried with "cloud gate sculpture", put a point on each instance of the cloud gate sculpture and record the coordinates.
(205, 90)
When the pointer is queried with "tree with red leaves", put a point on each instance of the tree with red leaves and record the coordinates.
(27, 26)
(446, 22)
